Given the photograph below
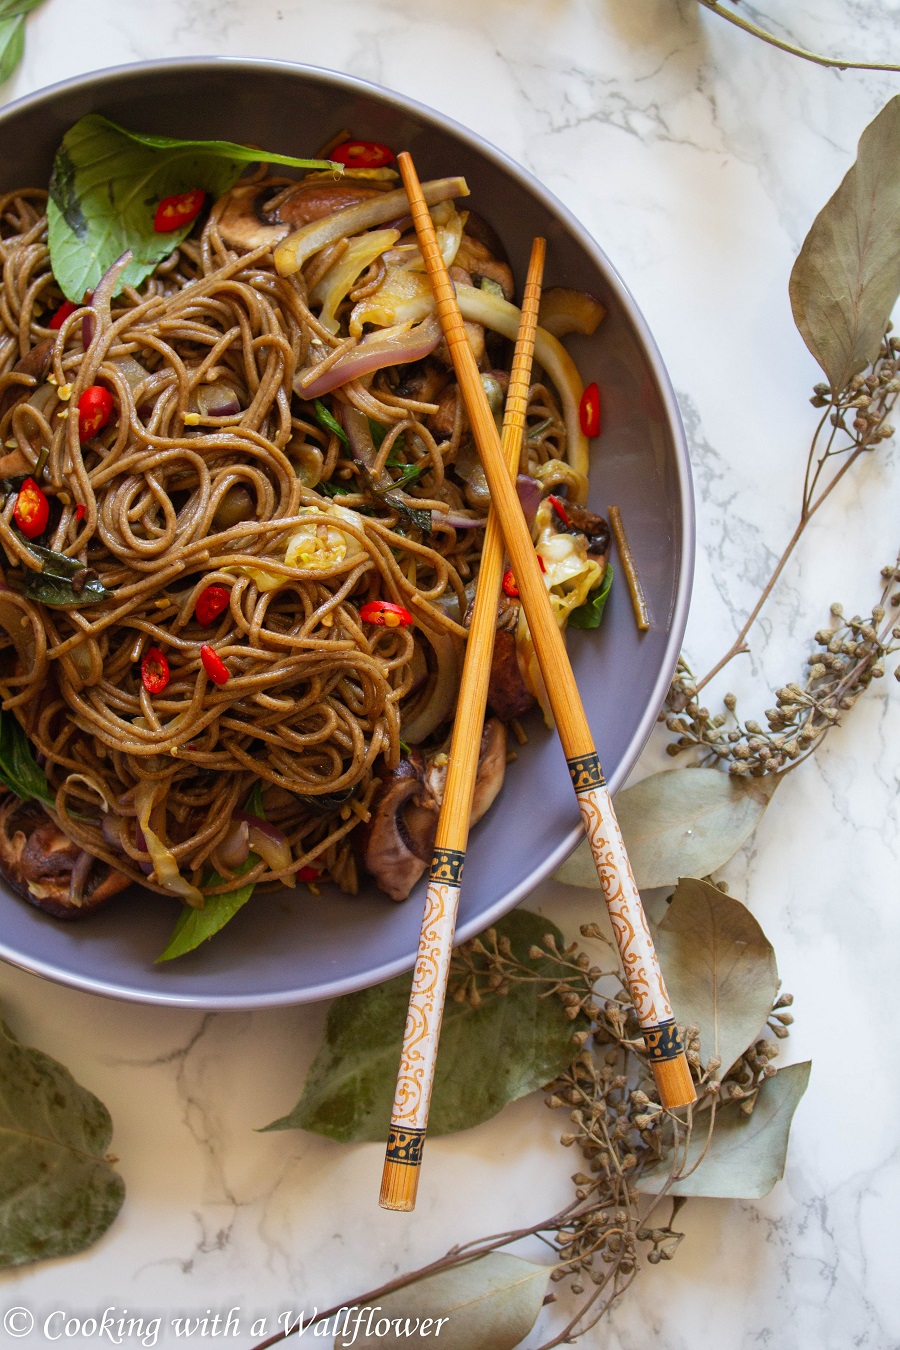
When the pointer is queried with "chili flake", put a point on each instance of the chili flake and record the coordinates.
(154, 671)
(386, 614)
(214, 666)
(32, 509)
(174, 212)
(589, 411)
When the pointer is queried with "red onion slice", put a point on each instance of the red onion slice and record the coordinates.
(374, 353)
(529, 493)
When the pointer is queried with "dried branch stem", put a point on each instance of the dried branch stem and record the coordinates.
(784, 46)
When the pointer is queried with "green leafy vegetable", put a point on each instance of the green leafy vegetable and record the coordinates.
(18, 768)
(12, 45)
(677, 823)
(746, 1154)
(488, 1304)
(107, 183)
(490, 1055)
(720, 969)
(411, 514)
(590, 613)
(330, 423)
(198, 925)
(59, 1194)
(62, 583)
(846, 279)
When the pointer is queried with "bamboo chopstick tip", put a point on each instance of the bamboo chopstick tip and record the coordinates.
(674, 1081)
(399, 1184)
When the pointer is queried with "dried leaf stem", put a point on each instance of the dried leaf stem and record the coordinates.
(617, 1124)
(784, 45)
(869, 399)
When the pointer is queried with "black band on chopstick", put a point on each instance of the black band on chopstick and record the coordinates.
(406, 1146)
(586, 772)
(447, 865)
(662, 1041)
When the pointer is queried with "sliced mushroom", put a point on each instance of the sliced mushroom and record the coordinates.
(246, 224)
(478, 260)
(34, 366)
(399, 839)
(593, 527)
(49, 870)
(388, 852)
(508, 694)
(424, 381)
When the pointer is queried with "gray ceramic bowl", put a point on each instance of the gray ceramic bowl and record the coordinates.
(301, 947)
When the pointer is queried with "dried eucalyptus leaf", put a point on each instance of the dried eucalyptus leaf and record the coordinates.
(720, 969)
(746, 1154)
(58, 1193)
(846, 279)
(679, 823)
(511, 1045)
(489, 1304)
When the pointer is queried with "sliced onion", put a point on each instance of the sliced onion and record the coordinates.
(356, 425)
(374, 353)
(215, 400)
(132, 372)
(165, 866)
(529, 493)
(499, 315)
(269, 842)
(566, 311)
(234, 850)
(299, 247)
(437, 705)
(456, 520)
(80, 873)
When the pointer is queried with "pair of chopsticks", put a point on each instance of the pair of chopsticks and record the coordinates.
(506, 523)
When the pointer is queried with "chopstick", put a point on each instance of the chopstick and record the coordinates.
(644, 978)
(409, 1118)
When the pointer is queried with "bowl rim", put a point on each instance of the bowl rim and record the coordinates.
(109, 77)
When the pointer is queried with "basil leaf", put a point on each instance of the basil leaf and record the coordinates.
(12, 45)
(590, 613)
(330, 423)
(107, 183)
(58, 583)
(334, 490)
(19, 771)
(421, 519)
(197, 925)
(60, 1193)
(378, 432)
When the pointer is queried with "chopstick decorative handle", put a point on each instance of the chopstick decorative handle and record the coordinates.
(409, 1118)
(418, 1057)
(645, 982)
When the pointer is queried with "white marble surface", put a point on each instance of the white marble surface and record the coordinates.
(697, 157)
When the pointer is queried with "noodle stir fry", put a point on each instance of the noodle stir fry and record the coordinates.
(242, 526)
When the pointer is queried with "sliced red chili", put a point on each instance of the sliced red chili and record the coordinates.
(509, 577)
(560, 510)
(309, 873)
(386, 614)
(66, 308)
(32, 509)
(174, 212)
(211, 603)
(94, 411)
(214, 666)
(589, 411)
(363, 155)
(79, 511)
(154, 671)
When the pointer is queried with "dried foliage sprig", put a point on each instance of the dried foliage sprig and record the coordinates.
(784, 45)
(635, 1153)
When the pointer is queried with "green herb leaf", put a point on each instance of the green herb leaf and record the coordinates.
(489, 1304)
(410, 472)
(107, 183)
(414, 516)
(197, 925)
(679, 823)
(334, 490)
(720, 969)
(746, 1154)
(590, 613)
(489, 1056)
(18, 769)
(330, 423)
(12, 45)
(254, 803)
(59, 1192)
(846, 279)
(56, 585)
